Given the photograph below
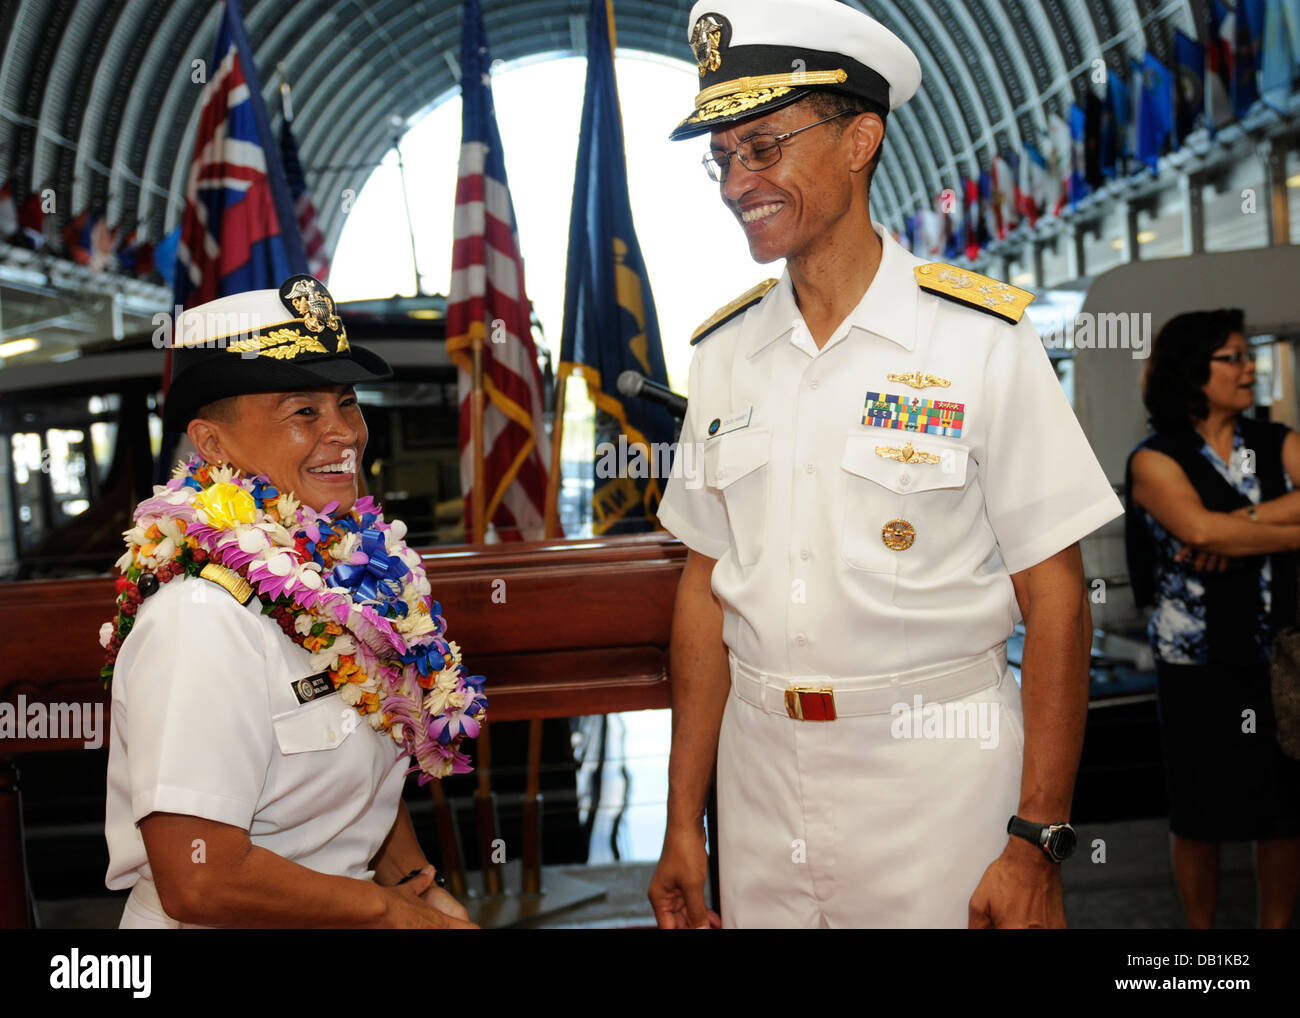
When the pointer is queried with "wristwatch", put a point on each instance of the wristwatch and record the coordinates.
(1056, 840)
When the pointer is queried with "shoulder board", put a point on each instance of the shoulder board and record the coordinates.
(238, 587)
(729, 311)
(962, 286)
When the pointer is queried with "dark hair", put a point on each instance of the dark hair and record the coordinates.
(223, 411)
(827, 103)
(1180, 366)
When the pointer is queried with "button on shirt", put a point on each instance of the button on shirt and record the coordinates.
(782, 483)
(206, 723)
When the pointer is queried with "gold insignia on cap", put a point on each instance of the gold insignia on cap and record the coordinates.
(316, 306)
(906, 454)
(970, 288)
(917, 380)
(281, 344)
(898, 535)
(737, 102)
(706, 41)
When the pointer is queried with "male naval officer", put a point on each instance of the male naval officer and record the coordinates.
(892, 476)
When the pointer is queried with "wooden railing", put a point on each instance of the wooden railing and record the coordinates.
(558, 628)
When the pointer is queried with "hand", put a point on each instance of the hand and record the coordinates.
(1021, 889)
(1202, 561)
(677, 887)
(409, 906)
(441, 899)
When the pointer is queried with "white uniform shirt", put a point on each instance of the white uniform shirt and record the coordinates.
(792, 495)
(206, 723)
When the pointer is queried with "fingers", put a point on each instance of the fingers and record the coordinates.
(697, 913)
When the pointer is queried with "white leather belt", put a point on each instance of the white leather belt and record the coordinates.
(823, 698)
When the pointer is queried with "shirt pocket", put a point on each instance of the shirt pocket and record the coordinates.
(735, 465)
(877, 491)
(322, 725)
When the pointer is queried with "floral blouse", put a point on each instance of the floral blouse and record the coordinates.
(1177, 626)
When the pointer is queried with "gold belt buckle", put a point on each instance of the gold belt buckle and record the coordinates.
(803, 703)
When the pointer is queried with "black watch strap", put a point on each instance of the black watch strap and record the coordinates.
(1057, 841)
(1031, 832)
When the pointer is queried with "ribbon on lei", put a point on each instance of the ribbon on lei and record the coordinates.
(379, 579)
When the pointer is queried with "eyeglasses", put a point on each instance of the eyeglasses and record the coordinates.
(756, 153)
(1236, 357)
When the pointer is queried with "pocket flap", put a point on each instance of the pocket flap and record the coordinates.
(861, 459)
(315, 726)
(733, 456)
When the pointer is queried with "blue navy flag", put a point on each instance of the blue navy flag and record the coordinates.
(1155, 110)
(238, 230)
(610, 325)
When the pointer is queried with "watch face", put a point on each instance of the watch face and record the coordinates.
(1062, 842)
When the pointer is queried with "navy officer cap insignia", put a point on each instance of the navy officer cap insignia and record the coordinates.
(1002, 300)
(307, 298)
(736, 307)
(272, 340)
(760, 55)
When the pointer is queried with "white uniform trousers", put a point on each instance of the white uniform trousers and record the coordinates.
(883, 820)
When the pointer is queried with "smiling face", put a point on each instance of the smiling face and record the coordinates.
(308, 442)
(1231, 387)
(791, 208)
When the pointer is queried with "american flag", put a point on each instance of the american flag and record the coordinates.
(238, 232)
(318, 261)
(487, 300)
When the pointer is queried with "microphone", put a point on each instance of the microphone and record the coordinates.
(636, 385)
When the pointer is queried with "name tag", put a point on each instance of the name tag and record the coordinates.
(313, 687)
(723, 426)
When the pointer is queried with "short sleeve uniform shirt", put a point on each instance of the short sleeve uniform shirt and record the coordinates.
(787, 478)
(210, 719)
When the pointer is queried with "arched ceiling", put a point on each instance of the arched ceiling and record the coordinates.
(97, 101)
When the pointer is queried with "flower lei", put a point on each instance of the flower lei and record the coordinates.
(346, 589)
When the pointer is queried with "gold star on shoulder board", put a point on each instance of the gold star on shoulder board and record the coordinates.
(982, 293)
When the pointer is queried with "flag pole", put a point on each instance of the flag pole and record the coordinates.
(557, 465)
(479, 503)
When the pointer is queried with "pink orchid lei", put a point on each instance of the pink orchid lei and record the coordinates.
(347, 589)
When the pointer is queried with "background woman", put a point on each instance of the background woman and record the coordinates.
(1212, 526)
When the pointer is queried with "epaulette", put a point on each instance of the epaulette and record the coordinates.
(738, 306)
(238, 587)
(970, 288)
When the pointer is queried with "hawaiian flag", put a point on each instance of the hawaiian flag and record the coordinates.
(238, 230)
(318, 262)
(487, 302)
